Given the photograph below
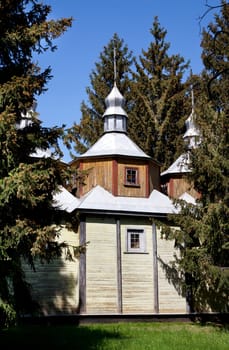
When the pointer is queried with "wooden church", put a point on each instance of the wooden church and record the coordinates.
(124, 269)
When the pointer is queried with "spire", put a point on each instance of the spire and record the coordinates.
(115, 68)
(192, 134)
(115, 117)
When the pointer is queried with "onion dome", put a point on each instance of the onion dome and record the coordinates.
(192, 134)
(115, 117)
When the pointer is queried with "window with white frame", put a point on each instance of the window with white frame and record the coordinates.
(135, 240)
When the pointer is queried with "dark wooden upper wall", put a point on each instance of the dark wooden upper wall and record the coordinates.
(109, 173)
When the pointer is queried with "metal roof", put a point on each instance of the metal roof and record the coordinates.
(192, 139)
(181, 165)
(100, 199)
(64, 200)
(188, 198)
(115, 103)
(114, 143)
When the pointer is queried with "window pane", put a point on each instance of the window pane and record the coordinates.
(135, 240)
(131, 176)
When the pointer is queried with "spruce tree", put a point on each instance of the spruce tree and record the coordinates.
(215, 58)
(156, 122)
(90, 128)
(204, 229)
(27, 180)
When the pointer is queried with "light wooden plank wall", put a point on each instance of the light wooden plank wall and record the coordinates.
(137, 269)
(101, 266)
(170, 299)
(55, 285)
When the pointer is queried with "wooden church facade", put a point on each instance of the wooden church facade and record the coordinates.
(123, 279)
(125, 266)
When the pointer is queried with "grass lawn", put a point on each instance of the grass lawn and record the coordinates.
(117, 336)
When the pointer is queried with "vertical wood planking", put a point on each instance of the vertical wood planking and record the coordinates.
(101, 265)
(114, 177)
(171, 298)
(137, 271)
(147, 181)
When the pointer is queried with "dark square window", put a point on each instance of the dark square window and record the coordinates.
(131, 176)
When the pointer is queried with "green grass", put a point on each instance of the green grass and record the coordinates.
(117, 336)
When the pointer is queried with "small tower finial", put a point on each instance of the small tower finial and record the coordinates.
(192, 134)
(115, 68)
(192, 97)
(192, 94)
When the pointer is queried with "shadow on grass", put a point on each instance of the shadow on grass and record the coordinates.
(58, 337)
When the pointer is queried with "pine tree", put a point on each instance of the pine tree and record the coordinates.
(27, 181)
(90, 127)
(214, 55)
(204, 228)
(156, 123)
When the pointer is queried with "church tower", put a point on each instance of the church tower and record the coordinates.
(115, 162)
(173, 180)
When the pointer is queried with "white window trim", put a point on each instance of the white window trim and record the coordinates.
(141, 231)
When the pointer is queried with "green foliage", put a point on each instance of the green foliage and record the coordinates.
(215, 41)
(202, 239)
(204, 228)
(121, 335)
(156, 102)
(156, 122)
(90, 128)
(7, 315)
(27, 181)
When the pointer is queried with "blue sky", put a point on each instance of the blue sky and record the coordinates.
(95, 22)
